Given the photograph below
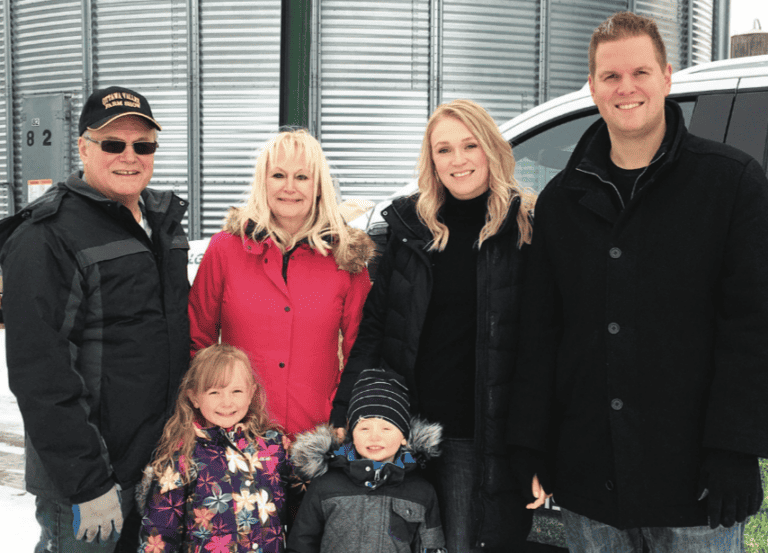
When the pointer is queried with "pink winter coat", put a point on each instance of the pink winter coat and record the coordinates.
(290, 331)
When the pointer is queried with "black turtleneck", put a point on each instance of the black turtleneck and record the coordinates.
(445, 366)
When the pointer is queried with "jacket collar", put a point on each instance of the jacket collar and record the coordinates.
(316, 450)
(404, 220)
(353, 259)
(371, 474)
(219, 435)
(591, 157)
(262, 241)
(157, 203)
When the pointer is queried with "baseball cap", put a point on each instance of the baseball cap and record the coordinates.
(107, 104)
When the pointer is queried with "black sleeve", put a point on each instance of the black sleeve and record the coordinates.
(532, 397)
(366, 352)
(307, 532)
(44, 305)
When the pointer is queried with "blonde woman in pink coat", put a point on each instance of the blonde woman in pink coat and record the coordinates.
(283, 279)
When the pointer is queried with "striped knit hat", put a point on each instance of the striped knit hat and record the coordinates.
(382, 394)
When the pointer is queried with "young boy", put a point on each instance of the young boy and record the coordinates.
(366, 495)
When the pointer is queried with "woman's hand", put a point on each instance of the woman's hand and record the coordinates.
(538, 492)
(340, 434)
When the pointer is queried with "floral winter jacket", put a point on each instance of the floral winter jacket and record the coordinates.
(234, 503)
(355, 505)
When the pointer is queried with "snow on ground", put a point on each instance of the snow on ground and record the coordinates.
(17, 507)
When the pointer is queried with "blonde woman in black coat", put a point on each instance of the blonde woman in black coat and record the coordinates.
(444, 313)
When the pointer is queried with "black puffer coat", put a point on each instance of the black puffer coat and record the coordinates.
(389, 335)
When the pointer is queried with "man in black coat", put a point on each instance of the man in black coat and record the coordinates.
(640, 395)
(97, 332)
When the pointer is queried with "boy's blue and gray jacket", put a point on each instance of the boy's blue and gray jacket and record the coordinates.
(355, 504)
(97, 333)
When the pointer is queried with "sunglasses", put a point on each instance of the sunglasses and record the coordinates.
(118, 146)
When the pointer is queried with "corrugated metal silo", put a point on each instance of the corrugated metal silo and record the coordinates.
(6, 109)
(211, 68)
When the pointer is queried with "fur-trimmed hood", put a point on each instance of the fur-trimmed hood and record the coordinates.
(361, 248)
(316, 450)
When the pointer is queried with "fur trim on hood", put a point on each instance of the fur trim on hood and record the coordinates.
(361, 247)
(314, 449)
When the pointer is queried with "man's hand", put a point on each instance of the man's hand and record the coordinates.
(98, 516)
(730, 482)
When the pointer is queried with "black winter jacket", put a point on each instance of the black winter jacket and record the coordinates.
(97, 334)
(389, 335)
(645, 328)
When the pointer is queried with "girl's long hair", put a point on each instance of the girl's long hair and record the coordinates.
(501, 180)
(212, 367)
(324, 224)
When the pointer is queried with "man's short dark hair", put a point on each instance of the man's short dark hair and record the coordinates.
(627, 25)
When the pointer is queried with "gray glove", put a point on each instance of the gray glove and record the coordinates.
(98, 515)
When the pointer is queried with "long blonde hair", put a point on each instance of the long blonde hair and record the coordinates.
(324, 225)
(501, 181)
(211, 367)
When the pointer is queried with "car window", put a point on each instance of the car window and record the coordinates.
(710, 118)
(687, 105)
(538, 158)
(749, 121)
(542, 156)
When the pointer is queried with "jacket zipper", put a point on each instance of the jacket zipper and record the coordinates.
(613, 186)
(286, 256)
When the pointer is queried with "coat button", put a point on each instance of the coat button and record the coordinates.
(615, 253)
(617, 404)
(383, 212)
(282, 365)
(405, 240)
(614, 328)
(287, 308)
(609, 485)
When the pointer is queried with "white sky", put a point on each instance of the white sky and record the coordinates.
(743, 14)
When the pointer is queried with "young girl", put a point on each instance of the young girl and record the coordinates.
(219, 478)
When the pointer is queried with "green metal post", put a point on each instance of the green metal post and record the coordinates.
(295, 41)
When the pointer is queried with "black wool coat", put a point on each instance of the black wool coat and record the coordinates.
(389, 334)
(646, 329)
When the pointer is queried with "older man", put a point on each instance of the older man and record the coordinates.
(97, 335)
